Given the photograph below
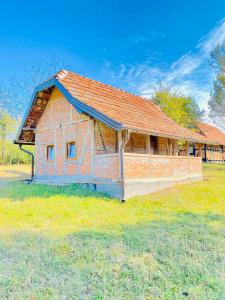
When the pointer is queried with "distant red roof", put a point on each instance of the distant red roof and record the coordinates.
(120, 109)
(212, 133)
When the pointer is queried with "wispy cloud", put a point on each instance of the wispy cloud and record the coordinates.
(191, 73)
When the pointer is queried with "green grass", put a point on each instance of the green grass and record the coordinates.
(71, 243)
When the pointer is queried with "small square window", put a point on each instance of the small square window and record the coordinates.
(71, 150)
(50, 153)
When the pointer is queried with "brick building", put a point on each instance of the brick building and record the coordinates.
(214, 151)
(88, 132)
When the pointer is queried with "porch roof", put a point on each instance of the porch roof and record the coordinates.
(116, 108)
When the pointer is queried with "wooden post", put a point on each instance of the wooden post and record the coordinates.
(187, 148)
(147, 143)
(170, 147)
(200, 150)
(205, 150)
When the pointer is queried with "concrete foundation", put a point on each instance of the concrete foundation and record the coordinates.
(147, 186)
(114, 189)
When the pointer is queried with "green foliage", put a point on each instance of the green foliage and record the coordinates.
(72, 243)
(13, 155)
(183, 110)
(217, 101)
(10, 153)
(7, 125)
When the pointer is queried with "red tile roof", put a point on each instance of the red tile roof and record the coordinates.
(134, 112)
(126, 110)
(212, 133)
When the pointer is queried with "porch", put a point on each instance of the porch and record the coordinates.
(149, 163)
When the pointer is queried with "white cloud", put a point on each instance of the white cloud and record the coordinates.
(191, 73)
(214, 37)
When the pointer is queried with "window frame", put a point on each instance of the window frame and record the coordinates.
(47, 156)
(67, 150)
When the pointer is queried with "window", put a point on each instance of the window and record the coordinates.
(50, 153)
(71, 152)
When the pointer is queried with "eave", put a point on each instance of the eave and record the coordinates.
(77, 104)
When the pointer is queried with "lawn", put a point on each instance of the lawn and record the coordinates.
(70, 243)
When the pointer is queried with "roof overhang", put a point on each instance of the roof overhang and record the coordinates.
(77, 104)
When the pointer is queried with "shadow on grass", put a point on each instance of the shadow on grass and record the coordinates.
(158, 260)
(200, 218)
(20, 191)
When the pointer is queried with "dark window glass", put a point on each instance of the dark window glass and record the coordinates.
(71, 150)
(50, 152)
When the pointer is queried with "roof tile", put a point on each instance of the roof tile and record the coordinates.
(134, 112)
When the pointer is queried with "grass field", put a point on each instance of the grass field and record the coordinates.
(69, 243)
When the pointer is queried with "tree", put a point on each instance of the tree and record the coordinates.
(183, 110)
(7, 127)
(217, 100)
(17, 92)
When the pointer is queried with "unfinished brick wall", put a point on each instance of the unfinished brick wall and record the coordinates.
(147, 166)
(215, 153)
(59, 124)
(162, 146)
(107, 167)
(106, 140)
(140, 143)
(136, 143)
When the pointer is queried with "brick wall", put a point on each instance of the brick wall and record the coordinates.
(213, 152)
(216, 154)
(141, 166)
(162, 146)
(107, 167)
(136, 143)
(105, 139)
(59, 124)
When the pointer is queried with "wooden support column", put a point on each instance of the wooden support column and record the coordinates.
(187, 148)
(205, 151)
(200, 150)
(170, 141)
(148, 145)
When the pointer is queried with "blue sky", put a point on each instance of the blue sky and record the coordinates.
(132, 45)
